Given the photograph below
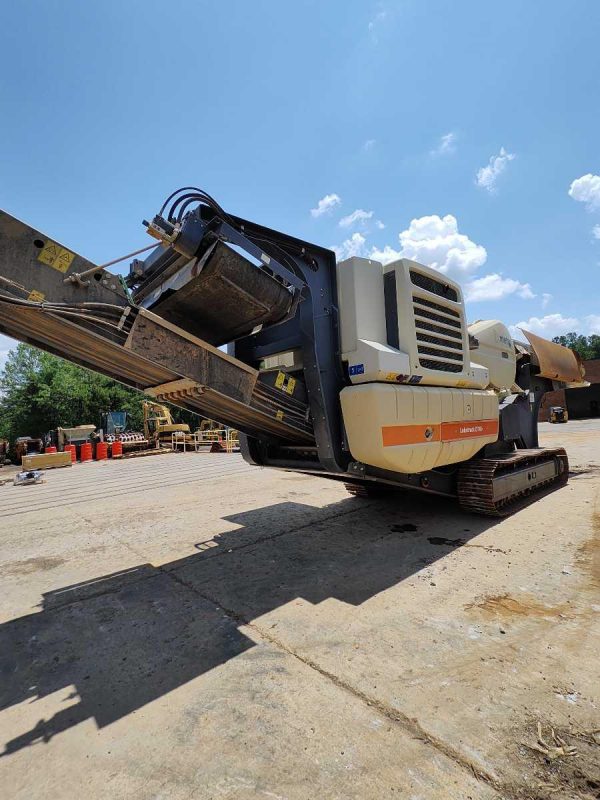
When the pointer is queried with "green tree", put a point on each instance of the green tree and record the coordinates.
(39, 392)
(588, 347)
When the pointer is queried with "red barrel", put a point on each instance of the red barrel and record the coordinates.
(116, 449)
(101, 451)
(85, 452)
(70, 448)
(50, 449)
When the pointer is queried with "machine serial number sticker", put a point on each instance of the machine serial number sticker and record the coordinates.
(356, 369)
(36, 296)
(56, 256)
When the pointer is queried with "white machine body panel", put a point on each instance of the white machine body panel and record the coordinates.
(496, 352)
(405, 324)
(412, 429)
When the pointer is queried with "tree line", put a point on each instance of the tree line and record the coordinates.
(588, 347)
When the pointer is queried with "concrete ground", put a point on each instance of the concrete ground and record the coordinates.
(185, 626)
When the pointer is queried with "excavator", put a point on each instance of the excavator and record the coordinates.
(352, 370)
(159, 427)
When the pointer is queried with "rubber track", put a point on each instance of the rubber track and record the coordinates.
(476, 481)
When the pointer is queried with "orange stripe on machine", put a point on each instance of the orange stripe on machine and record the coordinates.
(393, 435)
(452, 431)
(410, 434)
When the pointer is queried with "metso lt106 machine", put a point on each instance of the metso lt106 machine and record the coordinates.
(354, 371)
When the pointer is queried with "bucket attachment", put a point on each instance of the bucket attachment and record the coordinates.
(556, 362)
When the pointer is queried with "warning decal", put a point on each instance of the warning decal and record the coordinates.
(56, 256)
(285, 382)
(36, 296)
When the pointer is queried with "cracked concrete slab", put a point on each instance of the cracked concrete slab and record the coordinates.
(283, 640)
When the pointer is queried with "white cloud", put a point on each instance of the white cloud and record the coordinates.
(386, 256)
(548, 326)
(6, 345)
(358, 217)
(445, 146)
(326, 205)
(354, 246)
(379, 225)
(436, 242)
(546, 298)
(586, 190)
(369, 144)
(593, 324)
(378, 18)
(555, 324)
(495, 287)
(487, 176)
(596, 231)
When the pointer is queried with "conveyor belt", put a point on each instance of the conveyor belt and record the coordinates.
(146, 352)
(164, 362)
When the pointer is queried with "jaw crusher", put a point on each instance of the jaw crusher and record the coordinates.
(351, 370)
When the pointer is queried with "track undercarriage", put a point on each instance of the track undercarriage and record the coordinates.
(499, 486)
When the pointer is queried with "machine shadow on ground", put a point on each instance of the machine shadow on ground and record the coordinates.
(123, 640)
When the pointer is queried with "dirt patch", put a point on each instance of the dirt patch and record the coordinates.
(443, 541)
(30, 565)
(586, 470)
(588, 555)
(504, 606)
(572, 776)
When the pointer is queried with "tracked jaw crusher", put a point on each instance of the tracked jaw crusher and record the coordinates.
(355, 371)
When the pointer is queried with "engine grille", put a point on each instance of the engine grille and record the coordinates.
(441, 366)
(431, 285)
(439, 334)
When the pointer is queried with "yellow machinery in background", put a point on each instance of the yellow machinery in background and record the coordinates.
(222, 439)
(558, 414)
(159, 426)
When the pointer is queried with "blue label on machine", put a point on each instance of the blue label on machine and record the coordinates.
(356, 369)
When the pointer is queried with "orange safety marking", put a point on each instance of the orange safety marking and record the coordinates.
(410, 434)
(446, 432)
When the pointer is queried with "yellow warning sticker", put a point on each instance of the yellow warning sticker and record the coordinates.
(285, 382)
(391, 376)
(279, 414)
(36, 296)
(56, 256)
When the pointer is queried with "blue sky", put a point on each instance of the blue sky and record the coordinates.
(470, 130)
